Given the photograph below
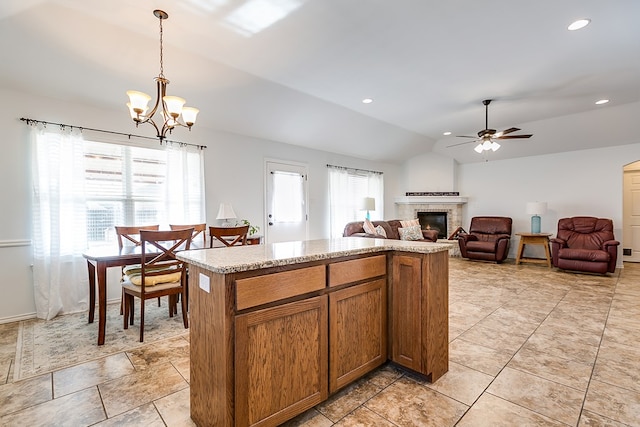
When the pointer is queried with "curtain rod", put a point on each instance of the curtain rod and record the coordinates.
(353, 169)
(32, 122)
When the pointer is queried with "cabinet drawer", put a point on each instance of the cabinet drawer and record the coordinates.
(357, 269)
(255, 291)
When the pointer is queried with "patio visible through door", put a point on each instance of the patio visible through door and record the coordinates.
(286, 202)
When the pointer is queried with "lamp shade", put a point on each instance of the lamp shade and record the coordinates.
(537, 208)
(368, 204)
(225, 211)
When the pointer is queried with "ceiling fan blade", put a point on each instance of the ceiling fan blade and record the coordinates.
(506, 131)
(459, 143)
(465, 136)
(514, 136)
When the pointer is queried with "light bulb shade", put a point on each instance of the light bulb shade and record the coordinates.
(368, 204)
(174, 105)
(495, 146)
(486, 145)
(189, 115)
(225, 211)
(479, 149)
(134, 114)
(537, 208)
(138, 100)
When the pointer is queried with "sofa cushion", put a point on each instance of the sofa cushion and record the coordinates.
(368, 226)
(481, 246)
(584, 254)
(410, 233)
(409, 222)
(381, 231)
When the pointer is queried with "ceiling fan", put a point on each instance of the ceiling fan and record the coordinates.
(486, 137)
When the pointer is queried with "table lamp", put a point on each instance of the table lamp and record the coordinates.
(225, 213)
(536, 209)
(368, 204)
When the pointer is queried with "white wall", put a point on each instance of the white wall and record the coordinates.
(429, 172)
(234, 169)
(586, 182)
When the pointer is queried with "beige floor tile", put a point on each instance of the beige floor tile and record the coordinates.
(145, 415)
(408, 403)
(613, 402)
(82, 408)
(618, 372)
(478, 357)
(175, 409)
(384, 376)
(548, 398)
(561, 345)
(348, 399)
(461, 383)
(492, 411)
(89, 374)
(590, 419)
(310, 418)
(554, 368)
(363, 417)
(169, 350)
(184, 367)
(502, 341)
(22, 394)
(123, 394)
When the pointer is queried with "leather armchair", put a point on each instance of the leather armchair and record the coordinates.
(488, 239)
(585, 243)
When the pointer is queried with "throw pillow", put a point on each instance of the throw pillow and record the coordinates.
(410, 233)
(380, 231)
(368, 227)
(410, 222)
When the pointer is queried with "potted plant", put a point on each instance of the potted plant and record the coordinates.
(253, 229)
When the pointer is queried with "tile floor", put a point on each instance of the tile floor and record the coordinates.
(528, 346)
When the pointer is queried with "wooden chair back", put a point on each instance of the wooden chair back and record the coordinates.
(229, 236)
(132, 233)
(159, 259)
(197, 229)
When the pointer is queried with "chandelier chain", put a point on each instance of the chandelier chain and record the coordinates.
(161, 59)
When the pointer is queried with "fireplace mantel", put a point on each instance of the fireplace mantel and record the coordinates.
(428, 200)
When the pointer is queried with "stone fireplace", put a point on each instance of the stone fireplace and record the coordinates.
(410, 207)
(434, 221)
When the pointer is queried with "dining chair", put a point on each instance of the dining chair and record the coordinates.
(130, 234)
(197, 229)
(161, 275)
(229, 236)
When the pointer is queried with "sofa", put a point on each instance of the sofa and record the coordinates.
(585, 243)
(488, 239)
(356, 229)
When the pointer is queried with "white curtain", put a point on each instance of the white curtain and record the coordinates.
(185, 185)
(347, 188)
(59, 223)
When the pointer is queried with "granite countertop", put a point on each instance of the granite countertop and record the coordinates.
(253, 257)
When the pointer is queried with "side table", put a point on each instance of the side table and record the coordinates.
(534, 239)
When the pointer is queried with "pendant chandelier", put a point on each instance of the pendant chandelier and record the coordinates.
(169, 108)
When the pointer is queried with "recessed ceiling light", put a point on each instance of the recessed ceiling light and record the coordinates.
(580, 23)
(367, 101)
(447, 133)
(602, 101)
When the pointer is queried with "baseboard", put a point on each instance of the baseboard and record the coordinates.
(18, 318)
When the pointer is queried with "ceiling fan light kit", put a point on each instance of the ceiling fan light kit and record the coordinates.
(487, 137)
(170, 108)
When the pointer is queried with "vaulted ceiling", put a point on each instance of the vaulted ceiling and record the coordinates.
(296, 71)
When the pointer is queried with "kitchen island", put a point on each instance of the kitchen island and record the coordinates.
(277, 328)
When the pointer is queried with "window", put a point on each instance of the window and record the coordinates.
(347, 189)
(126, 185)
(83, 188)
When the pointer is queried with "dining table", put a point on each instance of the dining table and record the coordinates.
(99, 259)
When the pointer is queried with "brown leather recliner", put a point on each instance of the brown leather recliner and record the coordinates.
(488, 238)
(585, 243)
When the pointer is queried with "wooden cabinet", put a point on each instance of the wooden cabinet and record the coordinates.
(281, 362)
(419, 322)
(405, 311)
(357, 331)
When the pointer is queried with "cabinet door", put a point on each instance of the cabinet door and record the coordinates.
(406, 302)
(281, 362)
(357, 332)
